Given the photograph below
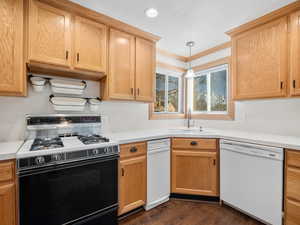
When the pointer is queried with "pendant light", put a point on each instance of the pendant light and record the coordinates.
(190, 72)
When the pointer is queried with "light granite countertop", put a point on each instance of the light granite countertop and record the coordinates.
(290, 142)
(8, 150)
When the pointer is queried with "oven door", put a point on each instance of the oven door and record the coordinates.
(68, 193)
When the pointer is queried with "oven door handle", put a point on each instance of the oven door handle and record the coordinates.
(64, 165)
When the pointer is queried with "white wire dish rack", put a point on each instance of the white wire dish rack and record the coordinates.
(58, 86)
(63, 103)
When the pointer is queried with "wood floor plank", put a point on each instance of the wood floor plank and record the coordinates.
(178, 212)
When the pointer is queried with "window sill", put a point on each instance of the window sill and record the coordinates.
(229, 116)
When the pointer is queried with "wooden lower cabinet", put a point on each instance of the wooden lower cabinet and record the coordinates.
(132, 180)
(8, 209)
(195, 171)
(292, 188)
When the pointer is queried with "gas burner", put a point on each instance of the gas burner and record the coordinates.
(46, 143)
(92, 139)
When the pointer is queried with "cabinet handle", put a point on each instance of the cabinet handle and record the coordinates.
(77, 57)
(294, 83)
(133, 149)
(281, 85)
(138, 91)
(123, 172)
(214, 162)
(193, 143)
(131, 91)
(67, 55)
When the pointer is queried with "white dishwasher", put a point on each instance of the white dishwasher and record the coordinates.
(158, 172)
(252, 179)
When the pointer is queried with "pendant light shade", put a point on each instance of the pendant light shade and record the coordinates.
(190, 72)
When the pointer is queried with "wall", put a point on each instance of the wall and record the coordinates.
(277, 116)
(118, 116)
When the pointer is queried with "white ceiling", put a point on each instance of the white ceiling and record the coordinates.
(203, 21)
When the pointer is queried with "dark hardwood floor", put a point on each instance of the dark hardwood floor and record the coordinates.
(179, 212)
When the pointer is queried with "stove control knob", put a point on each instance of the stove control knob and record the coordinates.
(95, 151)
(56, 157)
(110, 150)
(105, 150)
(39, 160)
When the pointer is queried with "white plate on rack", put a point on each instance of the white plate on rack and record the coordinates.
(67, 87)
(68, 104)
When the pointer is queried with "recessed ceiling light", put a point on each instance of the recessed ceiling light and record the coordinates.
(151, 12)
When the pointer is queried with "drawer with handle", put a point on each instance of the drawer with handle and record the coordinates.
(194, 143)
(133, 149)
(293, 158)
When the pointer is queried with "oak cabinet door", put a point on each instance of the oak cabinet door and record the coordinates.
(8, 204)
(121, 65)
(49, 34)
(295, 54)
(293, 183)
(133, 178)
(145, 70)
(12, 72)
(292, 212)
(260, 61)
(90, 45)
(194, 173)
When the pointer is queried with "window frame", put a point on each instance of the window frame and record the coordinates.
(169, 115)
(167, 93)
(208, 73)
(229, 115)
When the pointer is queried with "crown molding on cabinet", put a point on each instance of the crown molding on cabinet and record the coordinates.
(197, 55)
(170, 67)
(171, 55)
(266, 18)
(225, 60)
(209, 51)
(99, 17)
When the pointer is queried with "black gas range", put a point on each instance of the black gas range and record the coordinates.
(68, 173)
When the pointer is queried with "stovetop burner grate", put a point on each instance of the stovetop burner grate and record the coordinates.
(92, 139)
(46, 143)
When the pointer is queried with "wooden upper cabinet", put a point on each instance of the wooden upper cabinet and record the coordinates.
(49, 34)
(295, 54)
(133, 179)
(121, 65)
(145, 70)
(260, 61)
(90, 45)
(12, 72)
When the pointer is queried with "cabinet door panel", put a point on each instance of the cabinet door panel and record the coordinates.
(49, 34)
(293, 183)
(292, 214)
(90, 45)
(194, 173)
(8, 204)
(121, 65)
(12, 72)
(260, 65)
(145, 70)
(132, 184)
(295, 54)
